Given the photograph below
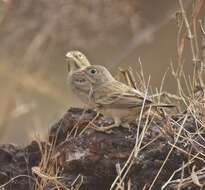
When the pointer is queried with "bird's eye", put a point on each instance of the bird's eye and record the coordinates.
(93, 71)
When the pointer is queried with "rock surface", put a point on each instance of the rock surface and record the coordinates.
(78, 155)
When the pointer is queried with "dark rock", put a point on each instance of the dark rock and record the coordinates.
(16, 163)
(81, 156)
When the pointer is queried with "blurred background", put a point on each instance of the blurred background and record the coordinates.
(36, 34)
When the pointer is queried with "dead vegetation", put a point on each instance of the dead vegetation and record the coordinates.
(155, 153)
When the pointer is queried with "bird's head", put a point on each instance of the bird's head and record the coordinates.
(76, 60)
(95, 74)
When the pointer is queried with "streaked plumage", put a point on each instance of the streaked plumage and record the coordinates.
(76, 60)
(110, 96)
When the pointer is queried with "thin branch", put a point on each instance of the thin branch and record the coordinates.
(169, 153)
(197, 76)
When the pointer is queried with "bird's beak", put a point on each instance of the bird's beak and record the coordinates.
(68, 55)
(72, 62)
(81, 72)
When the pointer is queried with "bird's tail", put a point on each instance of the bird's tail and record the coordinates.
(163, 105)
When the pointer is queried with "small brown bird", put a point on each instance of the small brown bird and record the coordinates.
(109, 96)
(76, 60)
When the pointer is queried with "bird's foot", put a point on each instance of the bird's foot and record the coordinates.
(125, 125)
(107, 129)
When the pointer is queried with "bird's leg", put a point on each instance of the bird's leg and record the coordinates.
(125, 125)
(116, 124)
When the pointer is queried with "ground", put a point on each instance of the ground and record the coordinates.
(78, 156)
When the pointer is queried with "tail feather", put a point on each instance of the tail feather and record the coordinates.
(164, 105)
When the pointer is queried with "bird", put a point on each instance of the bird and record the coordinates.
(76, 60)
(109, 96)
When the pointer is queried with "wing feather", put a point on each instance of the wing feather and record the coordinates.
(120, 96)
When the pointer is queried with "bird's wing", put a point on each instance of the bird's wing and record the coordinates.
(127, 98)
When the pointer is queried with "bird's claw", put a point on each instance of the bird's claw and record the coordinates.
(107, 129)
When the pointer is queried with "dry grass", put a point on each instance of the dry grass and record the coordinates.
(193, 102)
(193, 105)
